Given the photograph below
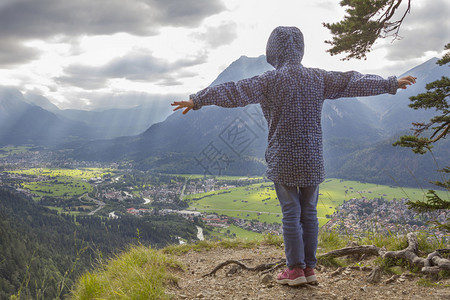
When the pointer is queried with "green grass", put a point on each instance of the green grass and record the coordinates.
(208, 245)
(60, 183)
(66, 187)
(139, 273)
(61, 210)
(249, 202)
(241, 233)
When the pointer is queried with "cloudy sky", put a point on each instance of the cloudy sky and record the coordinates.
(92, 54)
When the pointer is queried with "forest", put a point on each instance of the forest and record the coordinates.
(43, 251)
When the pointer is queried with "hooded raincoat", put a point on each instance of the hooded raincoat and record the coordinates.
(291, 98)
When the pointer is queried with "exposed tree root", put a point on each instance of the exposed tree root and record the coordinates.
(262, 267)
(356, 250)
(433, 263)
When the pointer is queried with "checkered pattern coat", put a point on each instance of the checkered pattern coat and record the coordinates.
(291, 97)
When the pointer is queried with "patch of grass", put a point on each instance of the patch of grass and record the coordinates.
(139, 273)
(391, 242)
(330, 262)
(425, 282)
(390, 265)
(331, 240)
(272, 239)
(208, 245)
(428, 244)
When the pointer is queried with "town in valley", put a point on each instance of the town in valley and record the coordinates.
(113, 190)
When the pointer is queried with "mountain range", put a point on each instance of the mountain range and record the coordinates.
(358, 133)
(33, 119)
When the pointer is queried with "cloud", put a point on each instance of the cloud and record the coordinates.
(44, 18)
(13, 53)
(424, 29)
(324, 4)
(23, 20)
(219, 35)
(135, 66)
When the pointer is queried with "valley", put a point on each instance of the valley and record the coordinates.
(98, 209)
(226, 206)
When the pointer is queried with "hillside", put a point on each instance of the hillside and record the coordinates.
(42, 251)
(181, 274)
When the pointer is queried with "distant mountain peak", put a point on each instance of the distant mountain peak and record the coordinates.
(8, 93)
(425, 67)
(41, 101)
(243, 67)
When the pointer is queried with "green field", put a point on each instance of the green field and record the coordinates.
(12, 150)
(259, 202)
(222, 233)
(60, 183)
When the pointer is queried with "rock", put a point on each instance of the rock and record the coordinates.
(443, 295)
(375, 275)
(391, 280)
(337, 272)
(233, 270)
(312, 286)
(347, 271)
(266, 278)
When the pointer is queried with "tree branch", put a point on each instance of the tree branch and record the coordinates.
(442, 134)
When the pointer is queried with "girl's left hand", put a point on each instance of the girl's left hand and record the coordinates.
(187, 105)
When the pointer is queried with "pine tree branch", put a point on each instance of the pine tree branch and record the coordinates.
(442, 134)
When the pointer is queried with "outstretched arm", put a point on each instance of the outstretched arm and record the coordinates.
(229, 94)
(405, 81)
(355, 84)
(187, 105)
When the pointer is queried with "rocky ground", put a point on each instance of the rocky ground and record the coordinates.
(232, 282)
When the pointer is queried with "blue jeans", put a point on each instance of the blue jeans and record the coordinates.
(300, 224)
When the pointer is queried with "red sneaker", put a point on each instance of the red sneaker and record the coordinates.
(310, 275)
(292, 277)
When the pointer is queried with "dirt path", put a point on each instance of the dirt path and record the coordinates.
(342, 284)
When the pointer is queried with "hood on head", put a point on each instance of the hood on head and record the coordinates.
(285, 46)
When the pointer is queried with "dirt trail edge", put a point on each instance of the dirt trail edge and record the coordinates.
(361, 281)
